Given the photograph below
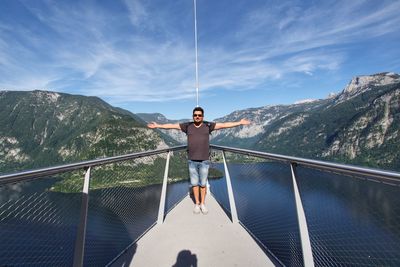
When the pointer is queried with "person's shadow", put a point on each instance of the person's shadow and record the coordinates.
(186, 259)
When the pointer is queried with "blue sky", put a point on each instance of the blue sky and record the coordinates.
(139, 54)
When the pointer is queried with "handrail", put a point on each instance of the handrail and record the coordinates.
(388, 176)
(33, 174)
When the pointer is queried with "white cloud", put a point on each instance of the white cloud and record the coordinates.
(139, 56)
(137, 12)
(287, 28)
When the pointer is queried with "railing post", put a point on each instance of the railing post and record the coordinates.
(304, 236)
(161, 209)
(81, 234)
(230, 192)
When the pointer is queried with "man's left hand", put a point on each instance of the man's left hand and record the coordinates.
(244, 122)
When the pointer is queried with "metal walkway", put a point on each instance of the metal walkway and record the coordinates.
(187, 239)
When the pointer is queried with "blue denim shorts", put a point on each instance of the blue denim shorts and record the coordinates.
(198, 171)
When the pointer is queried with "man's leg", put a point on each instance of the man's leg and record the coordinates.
(196, 194)
(203, 192)
(203, 174)
(194, 181)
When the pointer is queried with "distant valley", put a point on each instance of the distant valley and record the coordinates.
(359, 125)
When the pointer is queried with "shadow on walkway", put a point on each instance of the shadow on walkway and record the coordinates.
(186, 259)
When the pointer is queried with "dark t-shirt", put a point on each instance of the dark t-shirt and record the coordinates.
(198, 139)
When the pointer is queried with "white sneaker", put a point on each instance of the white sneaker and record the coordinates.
(196, 209)
(204, 209)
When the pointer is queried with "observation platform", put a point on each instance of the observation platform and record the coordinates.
(188, 239)
(304, 212)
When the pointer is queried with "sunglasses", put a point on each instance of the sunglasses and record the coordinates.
(197, 115)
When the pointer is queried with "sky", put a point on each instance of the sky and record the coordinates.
(140, 54)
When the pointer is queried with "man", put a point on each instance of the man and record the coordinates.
(198, 133)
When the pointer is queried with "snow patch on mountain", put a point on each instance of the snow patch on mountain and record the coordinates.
(304, 101)
(50, 97)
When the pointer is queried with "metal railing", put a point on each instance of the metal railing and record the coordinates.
(375, 174)
(313, 213)
(302, 212)
(84, 213)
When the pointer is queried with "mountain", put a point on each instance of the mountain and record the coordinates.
(360, 125)
(41, 128)
(157, 117)
(261, 119)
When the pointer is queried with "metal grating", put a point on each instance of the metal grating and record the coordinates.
(39, 219)
(124, 199)
(218, 185)
(266, 207)
(351, 221)
(178, 179)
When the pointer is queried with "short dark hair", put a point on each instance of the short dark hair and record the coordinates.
(198, 109)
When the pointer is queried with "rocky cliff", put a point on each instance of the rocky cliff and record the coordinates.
(360, 125)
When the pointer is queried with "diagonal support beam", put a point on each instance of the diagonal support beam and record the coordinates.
(81, 234)
(232, 203)
(304, 236)
(161, 209)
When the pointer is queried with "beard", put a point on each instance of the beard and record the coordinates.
(197, 123)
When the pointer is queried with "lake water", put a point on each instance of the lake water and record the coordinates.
(352, 222)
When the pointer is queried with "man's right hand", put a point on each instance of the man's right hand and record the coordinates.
(152, 125)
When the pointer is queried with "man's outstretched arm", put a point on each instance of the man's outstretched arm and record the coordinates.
(154, 125)
(223, 125)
